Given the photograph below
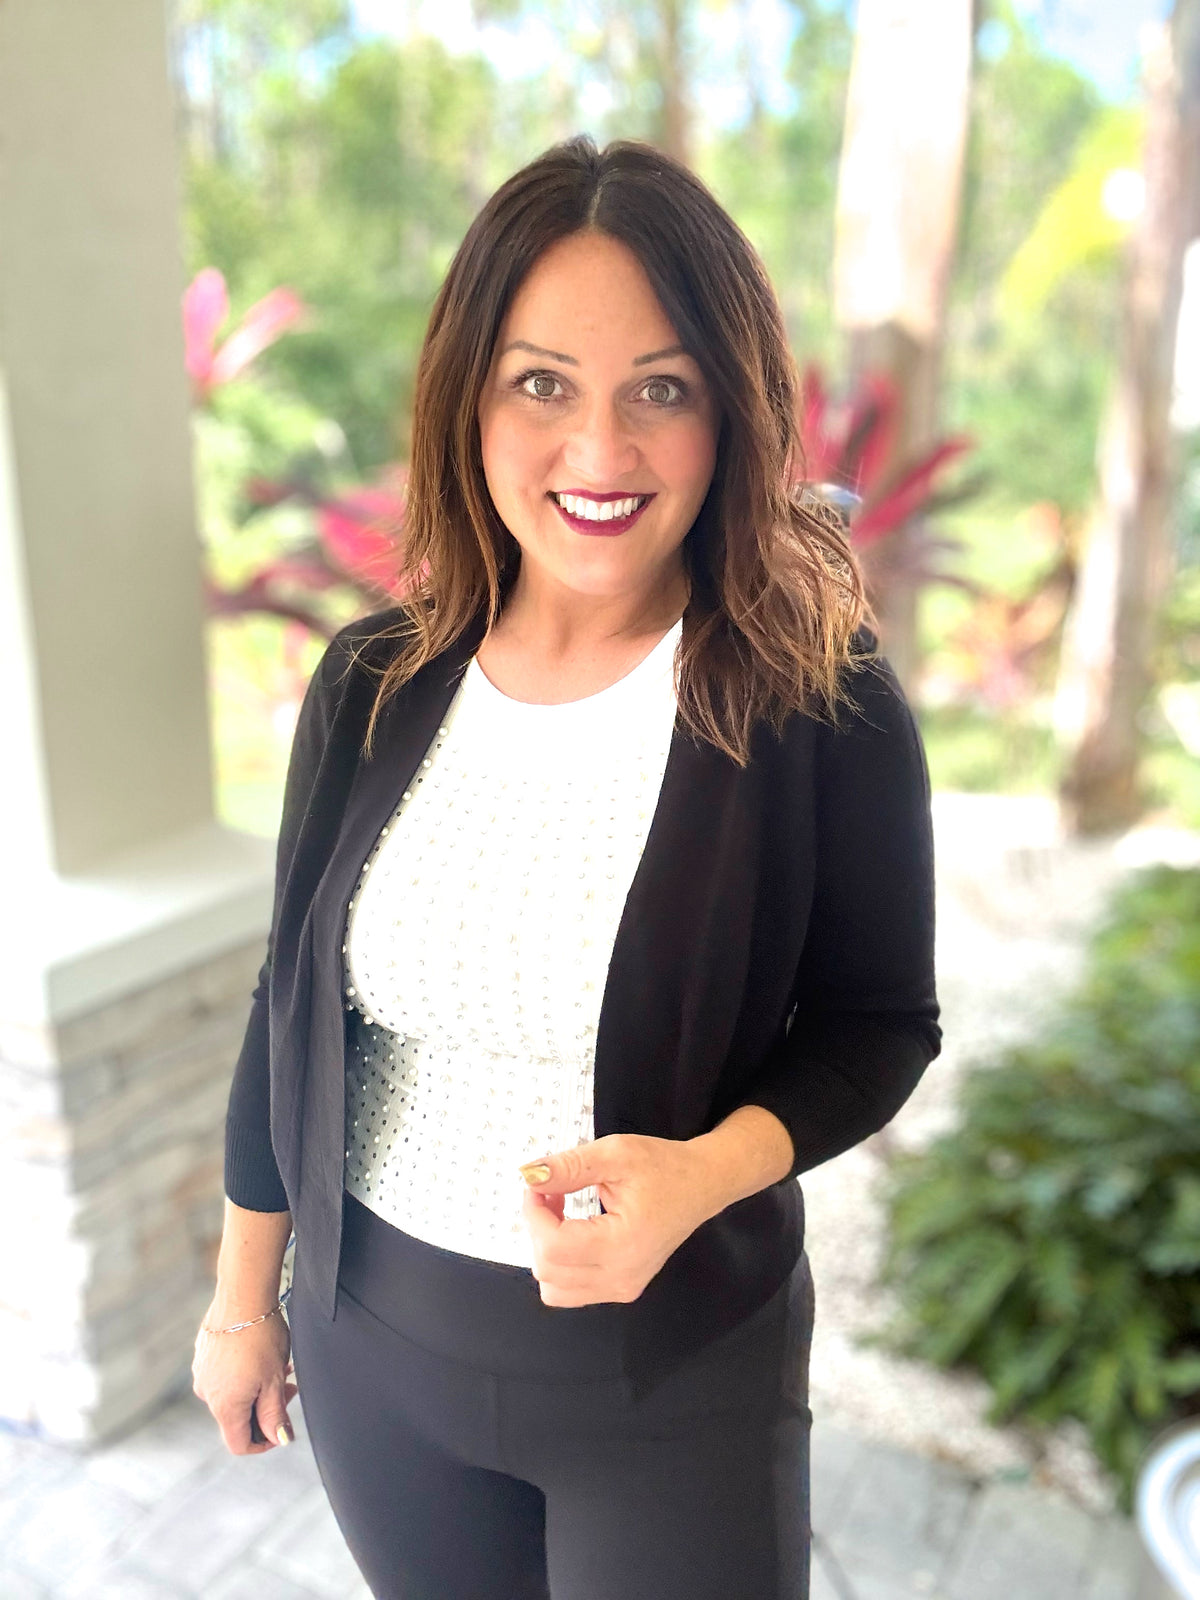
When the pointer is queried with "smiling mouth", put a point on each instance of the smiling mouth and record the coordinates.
(582, 509)
(600, 519)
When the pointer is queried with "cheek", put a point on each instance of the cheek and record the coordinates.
(511, 452)
(690, 457)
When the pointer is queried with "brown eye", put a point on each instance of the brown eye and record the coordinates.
(659, 392)
(544, 384)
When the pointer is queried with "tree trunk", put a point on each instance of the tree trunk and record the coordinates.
(1106, 673)
(899, 192)
(751, 76)
(673, 81)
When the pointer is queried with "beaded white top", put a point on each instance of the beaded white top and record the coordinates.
(477, 950)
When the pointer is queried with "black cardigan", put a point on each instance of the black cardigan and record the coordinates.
(775, 949)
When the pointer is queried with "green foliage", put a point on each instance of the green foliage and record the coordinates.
(1029, 110)
(1032, 394)
(1073, 229)
(1179, 624)
(778, 176)
(257, 684)
(249, 430)
(988, 752)
(1028, 377)
(348, 169)
(1052, 1241)
(1172, 725)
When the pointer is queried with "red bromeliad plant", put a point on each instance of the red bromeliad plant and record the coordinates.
(848, 459)
(998, 653)
(357, 543)
(360, 530)
(205, 308)
(356, 530)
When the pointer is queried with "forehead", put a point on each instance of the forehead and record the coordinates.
(587, 292)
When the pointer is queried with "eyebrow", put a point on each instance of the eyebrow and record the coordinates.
(572, 361)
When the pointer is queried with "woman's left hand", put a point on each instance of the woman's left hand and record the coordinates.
(655, 1193)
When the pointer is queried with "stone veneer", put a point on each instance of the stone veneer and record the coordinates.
(112, 1197)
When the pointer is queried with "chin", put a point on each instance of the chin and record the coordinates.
(600, 586)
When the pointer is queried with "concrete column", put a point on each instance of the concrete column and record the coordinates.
(92, 348)
(132, 923)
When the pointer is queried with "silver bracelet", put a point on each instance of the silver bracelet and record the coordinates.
(238, 1326)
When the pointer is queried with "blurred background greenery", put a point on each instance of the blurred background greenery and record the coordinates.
(344, 161)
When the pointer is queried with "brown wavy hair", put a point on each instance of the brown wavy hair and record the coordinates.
(776, 595)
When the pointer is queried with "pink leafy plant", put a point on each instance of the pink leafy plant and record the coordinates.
(205, 310)
(848, 452)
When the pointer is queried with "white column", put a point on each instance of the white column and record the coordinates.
(131, 923)
(107, 838)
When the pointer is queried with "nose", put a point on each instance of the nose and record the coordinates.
(600, 446)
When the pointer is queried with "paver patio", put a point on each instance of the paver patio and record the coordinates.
(166, 1513)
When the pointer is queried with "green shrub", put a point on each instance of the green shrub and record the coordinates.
(1052, 1242)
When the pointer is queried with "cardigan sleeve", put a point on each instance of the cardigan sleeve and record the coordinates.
(865, 1019)
(252, 1177)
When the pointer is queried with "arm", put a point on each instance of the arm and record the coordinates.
(748, 1151)
(865, 1025)
(864, 1029)
(249, 1264)
(243, 1377)
(252, 1179)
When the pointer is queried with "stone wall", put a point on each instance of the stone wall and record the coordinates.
(111, 1198)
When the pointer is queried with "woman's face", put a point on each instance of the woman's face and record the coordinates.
(599, 434)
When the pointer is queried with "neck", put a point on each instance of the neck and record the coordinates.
(555, 621)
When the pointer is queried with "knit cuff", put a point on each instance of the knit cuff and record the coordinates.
(252, 1178)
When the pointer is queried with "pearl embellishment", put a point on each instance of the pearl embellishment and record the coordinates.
(477, 949)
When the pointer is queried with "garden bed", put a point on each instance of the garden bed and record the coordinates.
(1015, 904)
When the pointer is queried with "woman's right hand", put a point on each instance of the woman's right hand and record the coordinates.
(236, 1374)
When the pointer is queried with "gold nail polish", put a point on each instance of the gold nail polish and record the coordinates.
(282, 1434)
(535, 1172)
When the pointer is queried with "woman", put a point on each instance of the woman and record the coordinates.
(603, 909)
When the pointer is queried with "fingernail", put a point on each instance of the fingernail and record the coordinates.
(535, 1172)
(282, 1434)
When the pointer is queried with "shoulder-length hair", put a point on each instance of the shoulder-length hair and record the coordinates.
(776, 595)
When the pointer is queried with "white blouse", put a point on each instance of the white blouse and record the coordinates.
(477, 948)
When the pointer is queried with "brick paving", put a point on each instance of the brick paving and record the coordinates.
(167, 1514)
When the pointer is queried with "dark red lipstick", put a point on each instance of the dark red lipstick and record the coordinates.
(607, 529)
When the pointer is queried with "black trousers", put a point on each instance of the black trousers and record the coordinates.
(477, 1444)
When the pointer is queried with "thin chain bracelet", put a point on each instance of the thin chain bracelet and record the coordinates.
(237, 1327)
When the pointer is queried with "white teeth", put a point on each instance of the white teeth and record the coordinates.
(599, 510)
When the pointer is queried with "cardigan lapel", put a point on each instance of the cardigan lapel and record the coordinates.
(681, 950)
(682, 946)
(405, 728)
